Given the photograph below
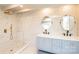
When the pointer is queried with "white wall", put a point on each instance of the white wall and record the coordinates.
(26, 26)
(29, 23)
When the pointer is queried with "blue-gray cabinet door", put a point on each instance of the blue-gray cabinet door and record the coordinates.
(70, 47)
(65, 46)
(56, 46)
(44, 44)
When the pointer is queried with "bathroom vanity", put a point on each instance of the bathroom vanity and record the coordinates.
(58, 44)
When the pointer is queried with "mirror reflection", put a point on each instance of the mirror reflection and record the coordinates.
(68, 22)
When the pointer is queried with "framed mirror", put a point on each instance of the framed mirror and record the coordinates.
(67, 22)
(46, 23)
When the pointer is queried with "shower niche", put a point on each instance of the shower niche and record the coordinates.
(67, 24)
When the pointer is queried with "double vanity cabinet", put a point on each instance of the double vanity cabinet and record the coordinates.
(58, 45)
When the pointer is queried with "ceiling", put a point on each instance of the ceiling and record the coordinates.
(17, 8)
(33, 5)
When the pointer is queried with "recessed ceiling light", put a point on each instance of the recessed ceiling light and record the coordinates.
(47, 11)
(21, 6)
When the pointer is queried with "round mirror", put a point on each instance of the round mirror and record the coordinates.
(67, 23)
(46, 22)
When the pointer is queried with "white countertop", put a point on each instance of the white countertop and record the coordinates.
(75, 38)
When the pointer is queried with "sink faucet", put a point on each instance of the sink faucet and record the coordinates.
(67, 33)
(46, 32)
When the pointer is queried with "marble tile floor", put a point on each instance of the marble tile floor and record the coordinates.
(33, 50)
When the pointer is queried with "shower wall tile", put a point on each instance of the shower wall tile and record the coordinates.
(5, 23)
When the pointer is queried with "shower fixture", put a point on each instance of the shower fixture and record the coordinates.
(11, 32)
(5, 30)
(9, 12)
(16, 8)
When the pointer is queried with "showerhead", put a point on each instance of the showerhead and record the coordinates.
(8, 12)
